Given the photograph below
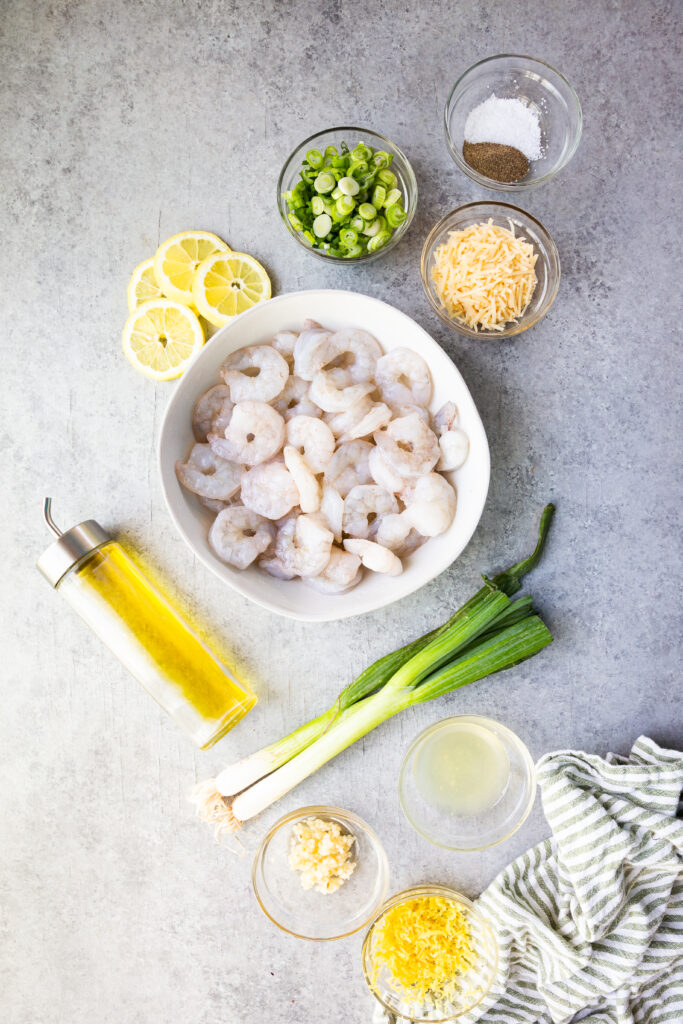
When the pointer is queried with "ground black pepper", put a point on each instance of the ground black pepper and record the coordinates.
(501, 163)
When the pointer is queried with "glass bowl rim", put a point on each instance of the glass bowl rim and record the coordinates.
(412, 195)
(321, 810)
(521, 325)
(511, 186)
(427, 889)
(526, 757)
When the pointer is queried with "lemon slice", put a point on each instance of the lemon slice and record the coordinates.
(143, 285)
(177, 258)
(160, 337)
(226, 284)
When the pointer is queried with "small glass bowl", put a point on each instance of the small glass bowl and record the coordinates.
(467, 832)
(469, 988)
(309, 914)
(547, 264)
(289, 176)
(541, 87)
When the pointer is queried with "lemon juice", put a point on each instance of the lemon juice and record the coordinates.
(462, 769)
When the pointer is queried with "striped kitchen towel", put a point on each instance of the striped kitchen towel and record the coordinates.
(590, 922)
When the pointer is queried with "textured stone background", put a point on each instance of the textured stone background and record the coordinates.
(125, 122)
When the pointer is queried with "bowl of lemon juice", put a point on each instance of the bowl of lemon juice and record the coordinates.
(467, 783)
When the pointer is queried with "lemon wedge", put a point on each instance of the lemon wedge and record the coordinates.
(228, 283)
(160, 337)
(178, 257)
(143, 285)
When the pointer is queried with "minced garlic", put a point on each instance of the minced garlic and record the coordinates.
(484, 275)
(424, 943)
(321, 852)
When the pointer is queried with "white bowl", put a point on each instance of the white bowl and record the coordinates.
(392, 328)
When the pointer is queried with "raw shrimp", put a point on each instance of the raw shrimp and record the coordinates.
(357, 351)
(445, 419)
(363, 506)
(212, 412)
(207, 474)
(455, 447)
(306, 485)
(397, 533)
(382, 473)
(303, 545)
(430, 504)
(332, 510)
(341, 423)
(270, 490)
(349, 466)
(313, 439)
(375, 557)
(274, 567)
(330, 389)
(215, 505)
(403, 376)
(239, 536)
(312, 351)
(283, 342)
(377, 416)
(342, 572)
(294, 400)
(408, 445)
(255, 434)
(407, 408)
(256, 373)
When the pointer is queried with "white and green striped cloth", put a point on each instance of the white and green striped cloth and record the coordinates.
(590, 921)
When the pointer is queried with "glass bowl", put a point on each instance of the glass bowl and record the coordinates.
(308, 914)
(466, 828)
(541, 87)
(547, 264)
(469, 988)
(289, 176)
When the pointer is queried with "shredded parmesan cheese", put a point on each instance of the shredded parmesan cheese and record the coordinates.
(484, 275)
(321, 853)
(424, 944)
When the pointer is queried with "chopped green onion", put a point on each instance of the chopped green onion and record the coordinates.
(380, 239)
(322, 225)
(345, 205)
(325, 182)
(396, 215)
(387, 178)
(349, 186)
(392, 196)
(314, 158)
(379, 194)
(348, 237)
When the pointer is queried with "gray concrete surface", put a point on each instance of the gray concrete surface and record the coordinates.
(125, 122)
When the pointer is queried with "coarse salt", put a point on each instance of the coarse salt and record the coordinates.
(507, 122)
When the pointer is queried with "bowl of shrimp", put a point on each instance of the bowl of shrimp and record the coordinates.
(323, 456)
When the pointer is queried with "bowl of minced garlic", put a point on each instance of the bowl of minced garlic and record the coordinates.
(490, 269)
(429, 955)
(320, 873)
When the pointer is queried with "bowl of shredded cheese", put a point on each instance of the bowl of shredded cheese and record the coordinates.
(429, 955)
(490, 269)
(320, 873)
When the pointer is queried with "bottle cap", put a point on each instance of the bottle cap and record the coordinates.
(70, 548)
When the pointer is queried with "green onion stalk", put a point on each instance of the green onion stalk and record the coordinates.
(489, 633)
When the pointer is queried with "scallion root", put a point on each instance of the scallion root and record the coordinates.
(215, 811)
